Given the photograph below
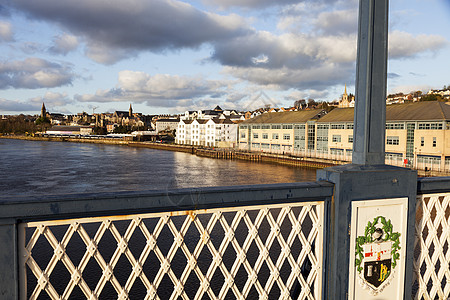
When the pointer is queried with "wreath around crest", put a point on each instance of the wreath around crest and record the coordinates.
(367, 238)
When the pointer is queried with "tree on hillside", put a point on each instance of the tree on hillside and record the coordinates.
(324, 105)
(300, 104)
(311, 102)
(18, 125)
(121, 129)
(43, 123)
(432, 97)
(416, 93)
(99, 130)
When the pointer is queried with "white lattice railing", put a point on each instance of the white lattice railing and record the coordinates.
(431, 247)
(265, 252)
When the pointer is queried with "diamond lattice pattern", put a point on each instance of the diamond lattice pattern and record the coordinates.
(431, 247)
(265, 252)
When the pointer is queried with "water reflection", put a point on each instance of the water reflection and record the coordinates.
(42, 168)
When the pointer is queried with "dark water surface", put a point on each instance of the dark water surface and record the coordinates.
(43, 168)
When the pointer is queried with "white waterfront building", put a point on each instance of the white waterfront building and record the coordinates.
(217, 132)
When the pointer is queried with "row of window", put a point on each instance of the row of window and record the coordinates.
(421, 125)
(422, 141)
(337, 138)
(272, 146)
(335, 126)
(395, 126)
(275, 126)
(265, 136)
(430, 126)
(390, 140)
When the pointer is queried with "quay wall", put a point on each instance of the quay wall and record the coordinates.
(66, 139)
(306, 162)
(268, 158)
(160, 146)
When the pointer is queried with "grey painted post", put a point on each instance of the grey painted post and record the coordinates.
(8, 261)
(367, 178)
(371, 71)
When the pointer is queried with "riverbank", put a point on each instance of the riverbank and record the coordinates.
(66, 139)
(296, 161)
(199, 151)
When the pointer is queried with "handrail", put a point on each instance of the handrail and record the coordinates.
(427, 185)
(120, 203)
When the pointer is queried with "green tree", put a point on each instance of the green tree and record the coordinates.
(42, 121)
(432, 97)
(99, 130)
(20, 124)
(121, 129)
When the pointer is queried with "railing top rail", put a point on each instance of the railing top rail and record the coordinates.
(427, 185)
(120, 203)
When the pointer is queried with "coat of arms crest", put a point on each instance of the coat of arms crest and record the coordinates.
(377, 254)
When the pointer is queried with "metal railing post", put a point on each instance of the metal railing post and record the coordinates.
(371, 74)
(9, 288)
(368, 190)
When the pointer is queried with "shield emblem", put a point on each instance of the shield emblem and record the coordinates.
(377, 254)
(377, 263)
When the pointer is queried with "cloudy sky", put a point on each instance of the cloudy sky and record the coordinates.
(167, 56)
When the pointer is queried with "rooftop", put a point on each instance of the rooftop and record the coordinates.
(286, 117)
(417, 111)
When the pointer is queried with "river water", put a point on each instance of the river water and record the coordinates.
(35, 168)
(41, 168)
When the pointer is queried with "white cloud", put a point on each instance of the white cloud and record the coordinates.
(52, 99)
(410, 88)
(306, 94)
(258, 4)
(405, 45)
(308, 61)
(158, 90)
(283, 78)
(64, 44)
(11, 105)
(103, 54)
(338, 22)
(33, 73)
(261, 59)
(6, 32)
(115, 31)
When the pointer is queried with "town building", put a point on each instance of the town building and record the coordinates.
(69, 130)
(217, 112)
(444, 93)
(346, 100)
(166, 124)
(417, 134)
(183, 133)
(278, 132)
(217, 132)
(125, 118)
(399, 98)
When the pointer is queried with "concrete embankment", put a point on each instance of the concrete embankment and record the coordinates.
(159, 146)
(211, 153)
(66, 139)
(307, 162)
(267, 158)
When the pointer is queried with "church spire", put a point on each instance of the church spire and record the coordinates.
(345, 90)
(130, 111)
(43, 111)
